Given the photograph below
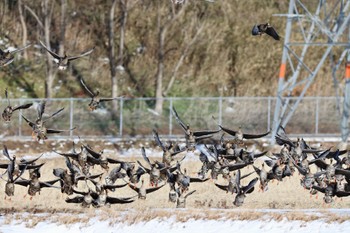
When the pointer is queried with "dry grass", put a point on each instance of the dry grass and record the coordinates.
(183, 215)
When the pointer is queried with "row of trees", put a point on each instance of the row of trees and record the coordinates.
(146, 47)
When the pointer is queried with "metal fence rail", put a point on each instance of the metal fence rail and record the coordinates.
(315, 117)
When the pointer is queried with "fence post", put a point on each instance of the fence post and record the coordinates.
(71, 106)
(170, 116)
(269, 113)
(121, 117)
(20, 121)
(316, 115)
(220, 110)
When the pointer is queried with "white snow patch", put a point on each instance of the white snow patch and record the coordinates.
(172, 226)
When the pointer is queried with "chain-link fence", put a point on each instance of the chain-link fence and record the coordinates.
(315, 117)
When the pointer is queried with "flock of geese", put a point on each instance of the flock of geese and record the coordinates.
(226, 157)
(323, 171)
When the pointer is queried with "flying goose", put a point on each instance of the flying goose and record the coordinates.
(7, 113)
(192, 137)
(142, 190)
(95, 99)
(38, 126)
(265, 28)
(64, 61)
(8, 56)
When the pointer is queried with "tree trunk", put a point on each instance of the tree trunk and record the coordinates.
(111, 55)
(50, 74)
(63, 26)
(160, 71)
(24, 28)
(160, 67)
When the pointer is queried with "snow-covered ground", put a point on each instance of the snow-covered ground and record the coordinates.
(191, 225)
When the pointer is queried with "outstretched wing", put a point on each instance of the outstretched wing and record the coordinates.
(6, 95)
(150, 190)
(146, 169)
(24, 161)
(23, 106)
(20, 49)
(71, 155)
(92, 94)
(250, 186)
(49, 184)
(76, 199)
(272, 32)
(54, 114)
(106, 99)
(55, 55)
(59, 130)
(205, 132)
(145, 157)
(229, 131)
(6, 61)
(115, 200)
(95, 154)
(197, 180)
(41, 109)
(178, 119)
(6, 153)
(81, 55)
(23, 182)
(156, 137)
(252, 136)
(31, 124)
(223, 187)
(190, 193)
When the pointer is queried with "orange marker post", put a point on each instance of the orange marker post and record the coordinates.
(347, 71)
(282, 70)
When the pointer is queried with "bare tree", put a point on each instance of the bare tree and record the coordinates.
(184, 53)
(124, 8)
(111, 53)
(44, 24)
(63, 26)
(24, 28)
(163, 25)
(50, 72)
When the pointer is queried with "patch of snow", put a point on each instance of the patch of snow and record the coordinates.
(172, 226)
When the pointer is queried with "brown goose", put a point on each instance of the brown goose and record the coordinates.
(96, 200)
(154, 171)
(68, 180)
(181, 200)
(100, 187)
(83, 158)
(242, 191)
(10, 183)
(14, 168)
(262, 173)
(142, 190)
(330, 191)
(265, 28)
(95, 99)
(114, 175)
(8, 57)
(232, 183)
(35, 185)
(168, 153)
(192, 137)
(64, 61)
(85, 198)
(38, 126)
(239, 135)
(7, 113)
